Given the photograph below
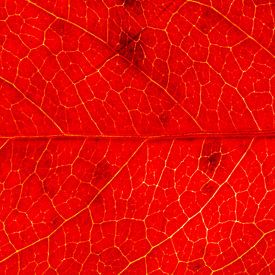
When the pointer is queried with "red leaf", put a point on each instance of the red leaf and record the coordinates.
(137, 137)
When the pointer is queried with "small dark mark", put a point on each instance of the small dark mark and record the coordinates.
(164, 118)
(196, 265)
(98, 200)
(134, 6)
(102, 171)
(129, 2)
(209, 188)
(211, 156)
(59, 27)
(56, 221)
(131, 48)
(208, 20)
(213, 160)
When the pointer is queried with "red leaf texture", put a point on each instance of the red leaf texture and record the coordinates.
(137, 137)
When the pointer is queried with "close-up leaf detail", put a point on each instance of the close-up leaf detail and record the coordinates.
(137, 137)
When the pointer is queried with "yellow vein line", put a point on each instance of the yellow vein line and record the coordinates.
(116, 54)
(4, 144)
(83, 209)
(246, 252)
(193, 216)
(232, 23)
(33, 103)
(66, 20)
(187, 135)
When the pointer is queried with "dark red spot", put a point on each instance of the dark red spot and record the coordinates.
(196, 265)
(164, 118)
(59, 27)
(209, 188)
(129, 2)
(98, 200)
(211, 156)
(133, 6)
(213, 160)
(56, 221)
(208, 21)
(130, 47)
(102, 171)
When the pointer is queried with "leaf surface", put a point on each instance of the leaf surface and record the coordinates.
(137, 137)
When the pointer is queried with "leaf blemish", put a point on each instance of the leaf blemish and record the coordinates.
(164, 118)
(134, 6)
(213, 160)
(131, 48)
(211, 156)
(196, 265)
(102, 171)
(209, 188)
(129, 2)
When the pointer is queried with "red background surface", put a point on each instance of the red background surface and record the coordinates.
(137, 137)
